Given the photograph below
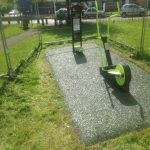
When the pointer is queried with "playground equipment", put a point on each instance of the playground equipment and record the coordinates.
(76, 29)
(120, 74)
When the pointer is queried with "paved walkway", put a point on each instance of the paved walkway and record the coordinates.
(20, 37)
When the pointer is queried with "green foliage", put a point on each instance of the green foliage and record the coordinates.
(4, 3)
(14, 3)
(141, 55)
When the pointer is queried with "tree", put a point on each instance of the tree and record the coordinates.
(7, 3)
(4, 3)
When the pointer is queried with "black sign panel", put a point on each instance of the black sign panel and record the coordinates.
(77, 36)
(76, 24)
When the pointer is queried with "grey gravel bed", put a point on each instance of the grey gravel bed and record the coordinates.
(97, 109)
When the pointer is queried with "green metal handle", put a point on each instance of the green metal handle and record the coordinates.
(98, 31)
(112, 16)
(99, 37)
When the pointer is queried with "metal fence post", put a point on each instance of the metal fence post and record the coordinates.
(39, 28)
(143, 26)
(10, 72)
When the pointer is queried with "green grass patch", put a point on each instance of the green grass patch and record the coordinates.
(65, 32)
(140, 58)
(127, 32)
(120, 31)
(18, 52)
(14, 29)
(32, 114)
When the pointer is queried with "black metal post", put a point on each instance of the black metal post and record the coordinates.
(107, 52)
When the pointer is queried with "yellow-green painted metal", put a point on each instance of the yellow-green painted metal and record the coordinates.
(99, 37)
(98, 29)
(120, 79)
(112, 16)
(119, 74)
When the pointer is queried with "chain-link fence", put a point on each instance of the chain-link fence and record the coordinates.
(17, 42)
(16, 50)
(130, 31)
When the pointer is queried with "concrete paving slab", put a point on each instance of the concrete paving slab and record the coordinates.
(97, 109)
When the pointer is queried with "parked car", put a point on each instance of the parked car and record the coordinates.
(132, 10)
(14, 12)
(91, 12)
(61, 13)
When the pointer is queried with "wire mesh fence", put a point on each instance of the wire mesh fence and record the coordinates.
(18, 49)
(129, 32)
(126, 31)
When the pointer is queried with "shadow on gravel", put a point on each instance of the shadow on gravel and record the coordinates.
(80, 58)
(125, 98)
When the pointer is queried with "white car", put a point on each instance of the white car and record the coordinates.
(91, 12)
(61, 11)
(132, 10)
(14, 12)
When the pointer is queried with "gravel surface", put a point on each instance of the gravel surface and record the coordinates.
(97, 109)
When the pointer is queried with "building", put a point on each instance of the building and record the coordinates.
(111, 4)
(50, 6)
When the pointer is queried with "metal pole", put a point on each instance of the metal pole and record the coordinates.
(54, 12)
(143, 26)
(5, 49)
(68, 12)
(39, 28)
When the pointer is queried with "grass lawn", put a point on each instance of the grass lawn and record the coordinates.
(32, 114)
(12, 30)
(127, 32)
